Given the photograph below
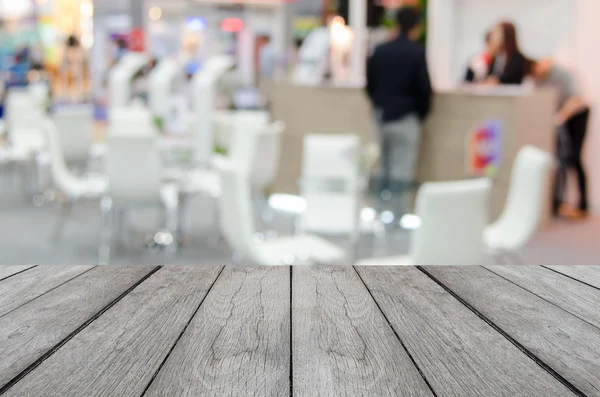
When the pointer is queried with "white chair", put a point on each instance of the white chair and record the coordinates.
(135, 119)
(237, 227)
(24, 121)
(524, 206)
(70, 187)
(330, 184)
(75, 125)
(134, 172)
(250, 136)
(266, 164)
(453, 216)
(24, 128)
(40, 94)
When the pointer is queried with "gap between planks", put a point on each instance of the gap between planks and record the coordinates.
(522, 348)
(55, 348)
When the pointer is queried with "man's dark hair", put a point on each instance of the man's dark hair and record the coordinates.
(408, 18)
(72, 41)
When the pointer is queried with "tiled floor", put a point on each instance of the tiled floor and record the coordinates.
(25, 237)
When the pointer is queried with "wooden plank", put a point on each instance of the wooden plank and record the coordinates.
(458, 353)
(568, 345)
(343, 346)
(31, 331)
(238, 344)
(7, 271)
(586, 274)
(570, 295)
(119, 352)
(29, 285)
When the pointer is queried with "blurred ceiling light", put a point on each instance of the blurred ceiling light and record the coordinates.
(368, 214)
(87, 41)
(155, 13)
(86, 9)
(195, 23)
(410, 222)
(287, 203)
(387, 217)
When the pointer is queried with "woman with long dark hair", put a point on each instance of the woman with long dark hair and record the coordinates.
(509, 66)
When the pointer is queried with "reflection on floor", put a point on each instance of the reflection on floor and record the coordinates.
(25, 233)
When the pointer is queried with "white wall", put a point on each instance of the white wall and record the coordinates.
(586, 56)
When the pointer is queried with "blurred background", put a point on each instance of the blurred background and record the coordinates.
(299, 132)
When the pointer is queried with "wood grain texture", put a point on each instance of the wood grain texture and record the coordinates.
(238, 344)
(570, 295)
(458, 353)
(568, 345)
(118, 353)
(29, 332)
(342, 344)
(7, 271)
(587, 274)
(29, 285)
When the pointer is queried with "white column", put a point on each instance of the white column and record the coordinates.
(440, 43)
(280, 37)
(358, 22)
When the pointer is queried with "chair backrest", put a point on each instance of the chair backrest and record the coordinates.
(160, 84)
(61, 176)
(235, 210)
(453, 217)
(329, 183)
(134, 169)
(524, 206)
(40, 95)
(20, 108)
(25, 120)
(75, 127)
(266, 163)
(246, 130)
(135, 119)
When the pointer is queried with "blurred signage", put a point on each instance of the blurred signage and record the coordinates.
(484, 148)
(136, 40)
(303, 25)
(232, 25)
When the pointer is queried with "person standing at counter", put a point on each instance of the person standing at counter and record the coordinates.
(571, 120)
(509, 66)
(399, 88)
(480, 66)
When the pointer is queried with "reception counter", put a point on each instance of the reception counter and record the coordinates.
(512, 116)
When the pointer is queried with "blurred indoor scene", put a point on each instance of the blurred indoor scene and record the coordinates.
(299, 132)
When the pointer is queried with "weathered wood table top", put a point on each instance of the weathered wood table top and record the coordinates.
(302, 331)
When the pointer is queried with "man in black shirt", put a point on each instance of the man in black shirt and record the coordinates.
(399, 87)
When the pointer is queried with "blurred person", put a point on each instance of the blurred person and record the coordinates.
(266, 67)
(73, 68)
(399, 88)
(121, 49)
(480, 66)
(571, 121)
(509, 66)
(19, 69)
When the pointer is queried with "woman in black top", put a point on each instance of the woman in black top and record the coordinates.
(509, 66)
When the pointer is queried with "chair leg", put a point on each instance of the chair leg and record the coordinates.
(183, 220)
(169, 224)
(106, 237)
(65, 211)
(214, 234)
